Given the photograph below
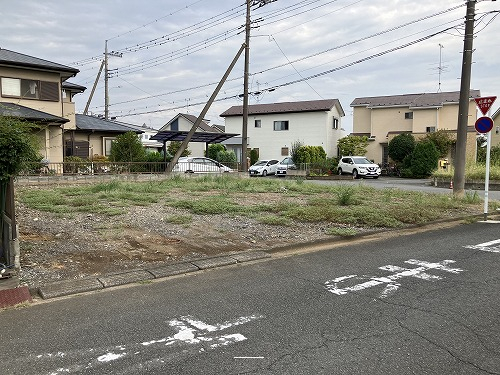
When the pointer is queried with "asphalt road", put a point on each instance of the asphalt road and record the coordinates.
(422, 185)
(418, 304)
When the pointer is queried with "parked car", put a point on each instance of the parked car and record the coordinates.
(358, 166)
(194, 164)
(284, 165)
(263, 168)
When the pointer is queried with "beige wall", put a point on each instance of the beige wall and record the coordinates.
(379, 122)
(50, 136)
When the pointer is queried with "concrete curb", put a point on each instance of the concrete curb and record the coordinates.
(68, 287)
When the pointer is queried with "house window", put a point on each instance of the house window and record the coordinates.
(408, 115)
(284, 151)
(335, 123)
(257, 123)
(30, 89)
(107, 143)
(280, 125)
(430, 129)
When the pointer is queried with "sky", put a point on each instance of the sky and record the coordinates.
(174, 53)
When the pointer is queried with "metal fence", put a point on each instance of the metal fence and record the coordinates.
(107, 168)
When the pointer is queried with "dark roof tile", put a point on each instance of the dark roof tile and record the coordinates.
(85, 122)
(286, 107)
(422, 100)
(30, 114)
(11, 58)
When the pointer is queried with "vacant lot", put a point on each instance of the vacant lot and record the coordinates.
(81, 230)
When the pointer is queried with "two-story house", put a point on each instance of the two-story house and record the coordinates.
(273, 128)
(37, 90)
(381, 118)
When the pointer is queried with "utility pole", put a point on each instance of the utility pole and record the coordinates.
(106, 77)
(106, 85)
(463, 105)
(244, 131)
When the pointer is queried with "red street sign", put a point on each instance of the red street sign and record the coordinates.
(485, 103)
(483, 125)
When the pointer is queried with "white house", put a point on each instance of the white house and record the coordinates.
(273, 128)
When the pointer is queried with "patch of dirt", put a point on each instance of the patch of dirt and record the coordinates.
(60, 247)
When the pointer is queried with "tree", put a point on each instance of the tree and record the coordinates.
(127, 148)
(401, 146)
(422, 161)
(353, 145)
(442, 140)
(174, 146)
(294, 149)
(226, 157)
(310, 154)
(214, 149)
(18, 146)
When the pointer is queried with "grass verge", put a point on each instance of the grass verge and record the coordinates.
(269, 201)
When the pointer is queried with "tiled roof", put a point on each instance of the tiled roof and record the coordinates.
(73, 87)
(11, 58)
(85, 122)
(286, 107)
(30, 114)
(421, 100)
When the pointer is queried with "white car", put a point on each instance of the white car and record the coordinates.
(358, 166)
(284, 165)
(263, 168)
(193, 164)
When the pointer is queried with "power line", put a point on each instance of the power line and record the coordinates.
(302, 79)
(305, 57)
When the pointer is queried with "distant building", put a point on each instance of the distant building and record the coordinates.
(273, 128)
(381, 118)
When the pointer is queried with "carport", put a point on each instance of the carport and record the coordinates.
(177, 135)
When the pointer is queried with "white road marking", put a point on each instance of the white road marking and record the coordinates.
(190, 332)
(486, 246)
(390, 281)
(248, 357)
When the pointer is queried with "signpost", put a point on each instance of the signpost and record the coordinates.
(484, 125)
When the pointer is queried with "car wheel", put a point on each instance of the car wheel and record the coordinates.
(355, 173)
(264, 173)
(339, 171)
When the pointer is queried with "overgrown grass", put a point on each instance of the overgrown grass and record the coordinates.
(273, 201)
(473, 171)
(343, 232)
(179, 219)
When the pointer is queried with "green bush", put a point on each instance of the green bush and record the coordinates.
(309, 154)
(254, 156)
(18, 146)
(127, 147)
(214, 149)
(422, 162)
(401, 146)
(226, 157)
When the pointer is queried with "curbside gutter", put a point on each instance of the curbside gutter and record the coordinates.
(64, 288)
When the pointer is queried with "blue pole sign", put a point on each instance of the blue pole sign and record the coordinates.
(484, 125)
